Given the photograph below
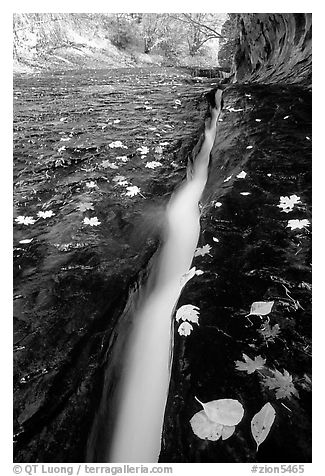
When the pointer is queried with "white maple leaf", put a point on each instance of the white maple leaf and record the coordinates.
(269, 332)
(91, 184)
(153, 164)
(132, 191)
(107, 164)
(85, 206)
(250, 365)
(47, 214)
(188, 312)
(287, 203)
(92, 221)
(294, 224)
(242, 174)
(116, 144)
(159, 149)
(22, 220)
(282, 384)
(143, 150)
(202, 251)
(185, 329)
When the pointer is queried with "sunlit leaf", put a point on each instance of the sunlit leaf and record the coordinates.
(25, 242)
(143, 150)
(225, 411)
(261, 308)
(199, 272)
(242, 174)
(185, 329)
(249, 147)
(281, 383)
(188, 313)
(215, 239)
(250, 365)
(217, 204)
(107, 164)
(261, 423)
(228, 178)
(245, 193)
(227, 432)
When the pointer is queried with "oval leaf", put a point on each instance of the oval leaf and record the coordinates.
(205, 428)
(261, 423)
(261, 308)
(227, 432)
(225, 411)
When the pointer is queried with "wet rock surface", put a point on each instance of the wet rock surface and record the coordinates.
(254, 256)
(73, 276)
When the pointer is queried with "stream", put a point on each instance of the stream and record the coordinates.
(97, 157)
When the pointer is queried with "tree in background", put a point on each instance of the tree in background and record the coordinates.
(229, 42)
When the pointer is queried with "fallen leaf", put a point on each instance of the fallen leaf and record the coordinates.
(159, 149)
(199, 272)
(107, 164)
(227, 432)
(185, 329)
(153, 164)
(281, 383)
(25, 242)
(47, 214)
(258, 120)
(91, 184)
(261, 423)
(287, 203)
(188, 313)
(217, 204)
(22, 220)
(215, 239)
(269, 332)
(143, 150)
(225, 411)
(83, 207)
(202, 251)
(132, 191)
(245, 193)
(249, 147)
(117, 143)
(205, 428)
(261, 308)
(298, 224)
(250, 365)
(91, 221)
(286, 117)
(242, 174)
(228, 178)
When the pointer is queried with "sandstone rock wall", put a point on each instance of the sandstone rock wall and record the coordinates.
(274, 48)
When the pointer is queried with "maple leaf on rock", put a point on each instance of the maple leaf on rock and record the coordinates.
(132, 191)
(83, 207)
(293, 224)
(250, 365)
(188, 313)
(185, 329)
(202, 251)
(281, 383)
(143, 150)
(47, 214)
(22, 220)
(269, 332)
(92, 221)
(153, 164)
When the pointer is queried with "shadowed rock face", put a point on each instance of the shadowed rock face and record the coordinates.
(274, 48)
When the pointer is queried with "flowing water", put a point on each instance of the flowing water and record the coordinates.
(84, 293)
